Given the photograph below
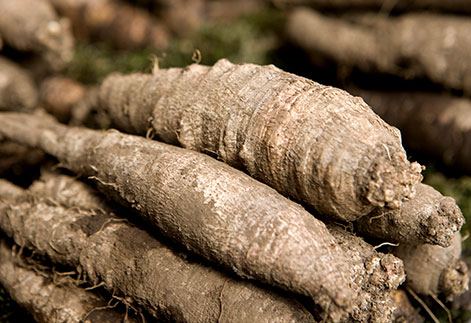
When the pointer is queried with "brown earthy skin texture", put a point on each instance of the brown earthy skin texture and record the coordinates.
(314, 143)
(438, 125)
(68, 191)
(17, 89)
(122, 25)
(374, 274)
(46, 298)
(412, 45)
(127, 259)
(207, 206)
(32, 25)
(427, 218)
(434, 270)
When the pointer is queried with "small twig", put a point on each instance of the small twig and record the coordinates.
(221, 304)
(422, 303)
(196, 57)
(465, 237)
(96, 286)
(450, 319)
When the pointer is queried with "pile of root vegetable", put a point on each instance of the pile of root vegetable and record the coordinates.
(233, 191)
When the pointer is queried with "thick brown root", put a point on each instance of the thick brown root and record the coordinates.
(437, 125)
(46, 298)
(207, 206)
(375, 275)
(313, 143)
(433, 270)
(429, 217)
(168, 284)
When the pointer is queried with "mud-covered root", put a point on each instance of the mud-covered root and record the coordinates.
(122, 25)
(17, 89)
(129, 262)
(434, 270)
(32, 25)
(373, 274)
(414, 45)
(429, 217)
(50, 298)
(68, 191)
(313, 143)
(194, 199)
(438, 125)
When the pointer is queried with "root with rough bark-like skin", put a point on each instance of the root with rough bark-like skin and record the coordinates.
(433, 270)
(314, 143)
(207, 206)
(168, 284)
(46, 299)
(427, 218)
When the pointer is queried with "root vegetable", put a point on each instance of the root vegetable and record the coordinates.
(170, 285)
(314, 143)
(32, 25)
(428, 218)
(411, 46)
(435, 124)
(17, 88)
(122, 25)
(205, 205)
(45, 298)
(374, 274)
(68, 191)
(434, 270)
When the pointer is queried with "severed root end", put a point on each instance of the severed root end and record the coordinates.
(392, 178)
(442, 225)
(394, 271)
(455, 280)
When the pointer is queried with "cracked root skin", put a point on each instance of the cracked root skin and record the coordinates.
(434, 270)
(314, 143)
(17, 89)
(32, 25)
(429, 217)
(46, 300)
(373, 274)
(207, 206)
(170, 285)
